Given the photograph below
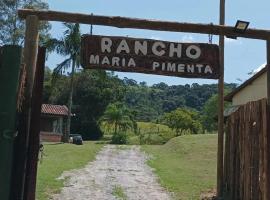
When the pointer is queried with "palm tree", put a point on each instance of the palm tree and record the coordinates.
(118, 116)
(68, 46)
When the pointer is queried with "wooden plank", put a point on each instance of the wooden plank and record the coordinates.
(265, 146)
(192, 60)
(124, 22)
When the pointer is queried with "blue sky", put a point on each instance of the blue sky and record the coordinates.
(241, 56)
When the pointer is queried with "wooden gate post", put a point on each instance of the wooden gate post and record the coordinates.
(21, 144)
(267, 187)
(220, 158)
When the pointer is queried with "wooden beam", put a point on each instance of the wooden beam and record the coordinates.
(21, 142)
(220, 158)
(124, 22)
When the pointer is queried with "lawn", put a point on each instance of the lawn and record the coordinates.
(59, 158)
(186, 165)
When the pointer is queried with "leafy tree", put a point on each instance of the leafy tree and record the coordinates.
(118, 117)
(210, 112)
(183, 120)
(94, 90)
(12, 28)
(68, 46)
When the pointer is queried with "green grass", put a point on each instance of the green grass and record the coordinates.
(186, 165)
(118, 192)
(59, 158)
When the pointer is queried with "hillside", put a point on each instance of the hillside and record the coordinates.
(150, 102)
(186, 165)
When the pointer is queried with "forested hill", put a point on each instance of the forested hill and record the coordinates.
(94, 90)
(151, 102)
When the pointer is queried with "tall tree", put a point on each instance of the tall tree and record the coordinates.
(119, 117)
(12, 28)
(68, 46)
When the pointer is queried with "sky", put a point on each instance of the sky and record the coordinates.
(241, 56)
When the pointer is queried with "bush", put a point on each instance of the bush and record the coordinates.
(119, 138)
(133, 140)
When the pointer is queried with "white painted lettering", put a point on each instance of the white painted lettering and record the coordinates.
(190, 68)
(131, 63)
(193, 52)
(171, 67)
(115, 61)
(155, 48)
(181, 67)
(94, 59)
(140, 47)
(177, 50)
(155, 65)
(105, 61)
(208, 70)
(123, 46)
(199, 67)
(106, 44)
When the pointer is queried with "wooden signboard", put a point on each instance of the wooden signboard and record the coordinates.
(191, 60)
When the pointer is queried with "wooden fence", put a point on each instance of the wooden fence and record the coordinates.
(246, 153)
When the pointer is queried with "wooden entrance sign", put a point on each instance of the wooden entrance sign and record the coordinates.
(190, 60)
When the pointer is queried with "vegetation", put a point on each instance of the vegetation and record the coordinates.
(51, 167)
(182, 120)
(186, 165)
(12, 28)
(151, 102)
(119, 193)
(69, 46)
(120, 119)
(93, 91)
(96, 89)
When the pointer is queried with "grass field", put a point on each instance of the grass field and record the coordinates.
(59, 158)
(186, 165)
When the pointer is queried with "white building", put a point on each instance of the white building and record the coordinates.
(253, 89)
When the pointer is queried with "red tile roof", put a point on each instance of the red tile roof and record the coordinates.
(54, 109)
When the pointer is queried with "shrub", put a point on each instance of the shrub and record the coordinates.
(119, 138)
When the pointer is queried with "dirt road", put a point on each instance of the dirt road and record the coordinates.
(119, 172)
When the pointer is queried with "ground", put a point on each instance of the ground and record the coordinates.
(185, 166)
(119, 172)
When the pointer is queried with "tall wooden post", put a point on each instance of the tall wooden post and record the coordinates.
(21, 143)
(34, 138)
(267, 187)
(220, 159)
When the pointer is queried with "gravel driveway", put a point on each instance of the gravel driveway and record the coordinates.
(119, 172)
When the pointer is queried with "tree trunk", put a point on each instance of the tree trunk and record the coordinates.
(67, 133)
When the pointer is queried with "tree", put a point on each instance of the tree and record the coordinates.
(118, 117)
(183, 120)
(68, 46)
(12, 28)
(210, 112)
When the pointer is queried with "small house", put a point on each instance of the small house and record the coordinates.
(253, 89)
(53, 122)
